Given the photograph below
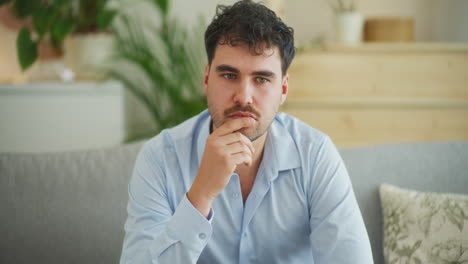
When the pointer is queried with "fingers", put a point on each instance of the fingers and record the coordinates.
(237, 137)
(233, 145)
(242, 157)
(238, 147)
(233, 125)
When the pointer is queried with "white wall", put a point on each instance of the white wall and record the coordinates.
(435, 20)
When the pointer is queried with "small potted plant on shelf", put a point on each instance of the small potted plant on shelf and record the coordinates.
(348, 22)
(50, 22)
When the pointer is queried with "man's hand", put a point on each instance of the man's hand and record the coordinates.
(225, 149)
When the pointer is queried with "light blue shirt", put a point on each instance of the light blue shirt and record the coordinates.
(301, 209)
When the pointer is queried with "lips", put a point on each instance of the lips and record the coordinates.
(242, 114)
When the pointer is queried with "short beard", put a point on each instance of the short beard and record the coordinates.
(257, 131)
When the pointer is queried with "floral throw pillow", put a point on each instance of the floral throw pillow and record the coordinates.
(424, 227)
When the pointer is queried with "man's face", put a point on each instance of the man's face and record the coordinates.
(239, 84)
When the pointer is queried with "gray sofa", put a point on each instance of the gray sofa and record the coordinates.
(71, 207)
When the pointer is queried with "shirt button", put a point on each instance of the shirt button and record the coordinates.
(235, 196)
(202, 235)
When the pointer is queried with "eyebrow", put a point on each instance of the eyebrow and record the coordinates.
(264, 73)
(227, 68)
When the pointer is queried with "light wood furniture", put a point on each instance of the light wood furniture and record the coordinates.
(389, 29)
(382, 93)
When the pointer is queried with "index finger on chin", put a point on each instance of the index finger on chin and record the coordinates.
(233, 125)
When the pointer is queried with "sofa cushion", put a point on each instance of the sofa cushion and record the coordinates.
(424, 227)
(65, 207)
(435, 167)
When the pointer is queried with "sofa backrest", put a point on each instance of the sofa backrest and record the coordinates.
(430, 167)
(71, 207)
(64, 207)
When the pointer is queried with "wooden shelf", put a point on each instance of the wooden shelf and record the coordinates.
(376, 103)
(390, 47)
(379, 93)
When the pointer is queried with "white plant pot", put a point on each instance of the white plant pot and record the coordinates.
(349, 27)
(88, 54)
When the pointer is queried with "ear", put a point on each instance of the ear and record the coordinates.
(205, 78)
(284, 88)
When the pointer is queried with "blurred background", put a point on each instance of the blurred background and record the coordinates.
(92, 74)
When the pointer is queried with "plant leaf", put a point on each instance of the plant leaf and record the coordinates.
(163, 5)
(26, 49)
(60, 29)
(42, 20)
(59, 4)
(2, 2)
(166, 71)
(133, 87)
(105, 18)
(24, 8)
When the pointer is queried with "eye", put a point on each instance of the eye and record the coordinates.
(229, 76)
(261, 80)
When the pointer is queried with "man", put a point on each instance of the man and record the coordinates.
(240, 183)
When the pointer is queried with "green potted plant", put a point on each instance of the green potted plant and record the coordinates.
(51, 21)
(160, 62)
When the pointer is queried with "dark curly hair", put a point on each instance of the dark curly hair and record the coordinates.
(253, 24)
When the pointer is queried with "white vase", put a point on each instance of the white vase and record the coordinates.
(88, 54)
(349, 27)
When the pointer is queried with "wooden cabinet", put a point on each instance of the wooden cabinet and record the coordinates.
(382, 93)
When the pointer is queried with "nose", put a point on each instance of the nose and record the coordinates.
(243, 94)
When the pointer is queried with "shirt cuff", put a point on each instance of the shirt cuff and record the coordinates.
(190, 227)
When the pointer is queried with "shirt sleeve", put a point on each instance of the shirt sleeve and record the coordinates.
(338, 233)
(155, 233)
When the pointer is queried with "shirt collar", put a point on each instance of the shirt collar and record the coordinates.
(283, 147)
(280, 152)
